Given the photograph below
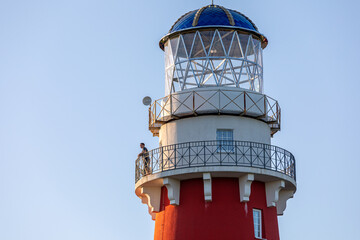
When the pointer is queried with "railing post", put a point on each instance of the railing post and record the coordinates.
(204, 155)
(276, 161)
(285, 165)
(220, 151)
(244, 103)
(264, 156)
(193, 102)
(175, 157)
(265, 111)
(294, 170)
(162, 158)
(251, 160)
(171, 112)
(236, 159)
(136, 170)
(151, 161)
(189, 156)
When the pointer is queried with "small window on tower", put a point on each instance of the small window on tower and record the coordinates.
(257, 223)
(225, 140)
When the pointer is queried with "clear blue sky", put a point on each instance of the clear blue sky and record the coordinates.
(72, 77)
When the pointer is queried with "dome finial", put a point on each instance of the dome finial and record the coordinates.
(212, 2)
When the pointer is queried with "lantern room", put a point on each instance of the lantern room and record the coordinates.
(213, 46)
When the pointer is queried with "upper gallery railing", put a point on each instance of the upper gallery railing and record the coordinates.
(215, 101)
(215, 153)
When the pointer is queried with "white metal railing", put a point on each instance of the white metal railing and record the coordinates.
(215, 101)
(215, 153)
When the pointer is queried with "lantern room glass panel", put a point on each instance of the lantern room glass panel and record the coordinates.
(209, 58)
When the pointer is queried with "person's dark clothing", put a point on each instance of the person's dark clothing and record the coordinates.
(146, 160)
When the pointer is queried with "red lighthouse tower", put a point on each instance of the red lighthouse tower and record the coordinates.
(215, 174)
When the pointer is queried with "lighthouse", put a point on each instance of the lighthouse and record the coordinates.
(215, 174)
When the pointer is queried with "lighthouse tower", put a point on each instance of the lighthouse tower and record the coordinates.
(215, 174)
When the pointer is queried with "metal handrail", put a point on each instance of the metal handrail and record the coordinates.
(215, 153)
(215, 101)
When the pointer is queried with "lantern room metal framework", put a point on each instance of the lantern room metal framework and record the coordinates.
(220, 57)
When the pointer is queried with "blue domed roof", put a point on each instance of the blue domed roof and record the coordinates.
(213, 15)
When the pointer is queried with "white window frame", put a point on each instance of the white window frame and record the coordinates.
(257, 222)
(223, 138)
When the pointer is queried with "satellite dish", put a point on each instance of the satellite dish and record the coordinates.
(147, 101)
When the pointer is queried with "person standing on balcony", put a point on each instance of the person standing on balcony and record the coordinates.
(145, 157)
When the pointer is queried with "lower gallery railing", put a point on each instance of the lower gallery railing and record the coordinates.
(215, 153)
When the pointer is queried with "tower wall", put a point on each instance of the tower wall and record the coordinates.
(225, 217)
(203, 128)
